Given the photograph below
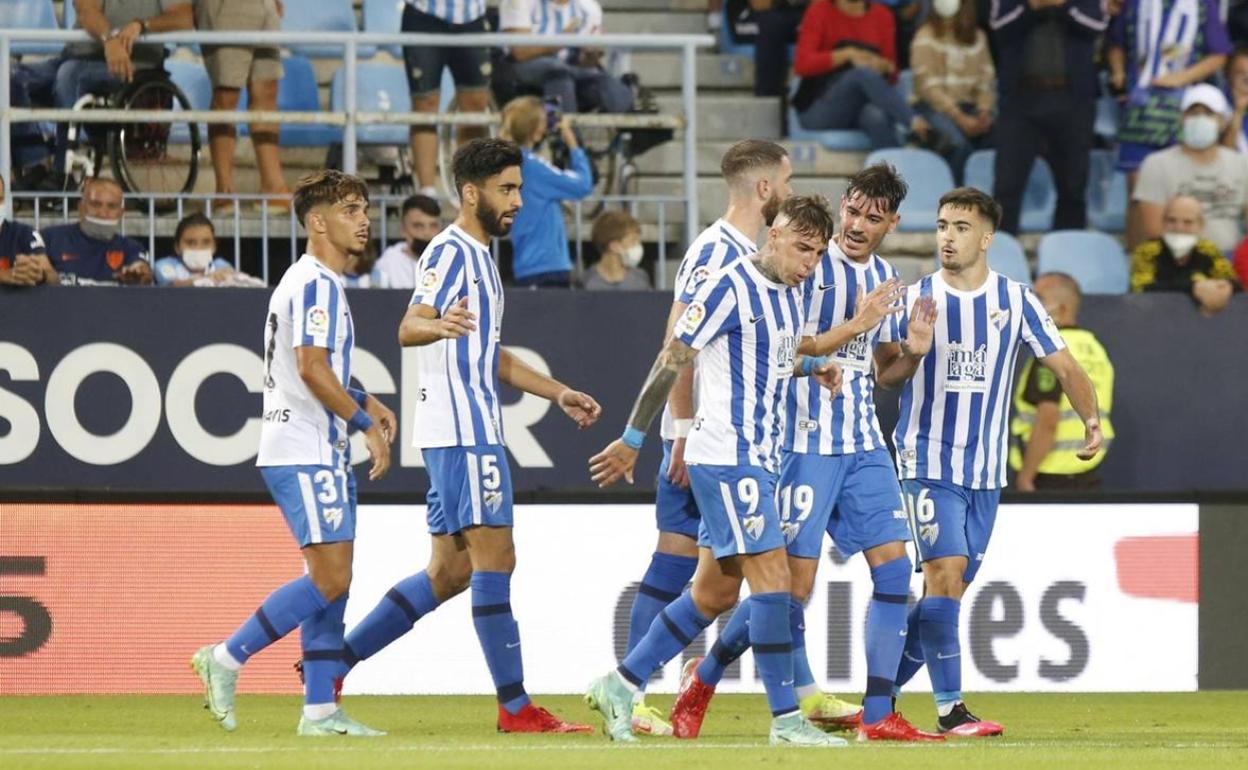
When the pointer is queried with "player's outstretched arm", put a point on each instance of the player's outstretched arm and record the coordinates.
(896, 362)
(1078, 388)
(619, 457)
(581, 407)
(422, 325)
(316, 373)
(869, 310)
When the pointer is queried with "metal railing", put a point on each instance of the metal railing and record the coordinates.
(350, 118)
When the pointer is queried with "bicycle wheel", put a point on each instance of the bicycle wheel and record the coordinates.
(144, 158)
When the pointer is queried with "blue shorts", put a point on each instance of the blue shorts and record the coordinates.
(950, 520)
(738, 505)
(469, 486)
(317, 501)
(855, 498)
(675, 510)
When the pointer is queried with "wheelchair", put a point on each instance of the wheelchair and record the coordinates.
(146, 157)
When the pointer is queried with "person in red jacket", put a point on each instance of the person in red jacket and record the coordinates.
(847, 60)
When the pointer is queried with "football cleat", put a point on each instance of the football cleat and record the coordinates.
(219, 684)
(535, 719)
(610, 697)
(337, 680)
(796, 730)
(692, 700)
(830, 712)
(337, 723)
(647, 720)
(894, 727)
(964, 724)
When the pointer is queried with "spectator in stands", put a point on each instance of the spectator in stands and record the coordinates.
(846, 57)
(572, 76)
(470, 69)
(195, 262)
(1047, 88)
(1199, 167)
(259, 68)
(92, 250)
(777, 21)
(1236, 74)
(539, 240)
(954, 79)
(1046, 432)
(361, 270)
(23, 260)
(1155, 49)
(906, 17)
(617, 239)
(421, 219)
(1181, 260)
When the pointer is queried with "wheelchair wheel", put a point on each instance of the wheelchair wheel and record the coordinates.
(155, 157)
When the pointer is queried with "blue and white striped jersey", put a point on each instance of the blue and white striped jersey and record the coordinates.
(718, 245)
(451, 11)
(747, 329)
(458, 399)
(546, 17)
(308, 308)
(955, 410)
(821, 422)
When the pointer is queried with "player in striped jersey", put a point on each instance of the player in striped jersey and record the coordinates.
(837, 474)
(305, 458)
(744, 325)
(455, 321)
(951, 433)
(757, 174)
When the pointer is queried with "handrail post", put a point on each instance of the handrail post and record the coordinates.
(348, 131)
(688, 94)
(6, 125)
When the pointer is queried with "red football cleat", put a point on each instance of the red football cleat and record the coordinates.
(691, 702)
(534, 719)
(894, 727)
(964, 724)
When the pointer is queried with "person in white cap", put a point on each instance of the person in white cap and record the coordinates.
(1197, 166)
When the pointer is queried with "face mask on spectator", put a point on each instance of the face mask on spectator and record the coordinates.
(417, 246)
(99, 229)
(197, 260)
(946, 9)
(1200, 131)
(1180, 244)
(631, 257)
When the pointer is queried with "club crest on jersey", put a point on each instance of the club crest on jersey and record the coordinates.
(317, 320)
(966, 368)
(429, 280)
(999, 318)
(692, 319)
(786, 353)
(929, 532)
(754, 526)
(333, 517)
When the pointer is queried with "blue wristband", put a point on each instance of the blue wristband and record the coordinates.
(360, 396)
(633, 437)
(360, 420)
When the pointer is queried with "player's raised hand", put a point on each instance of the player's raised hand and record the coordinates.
(1092, 440)
(921, 326)
(382, 416)
(457, 321)
(379, 450)
(583, 409)
(677, 471)
(828, 375)
(612, 464)
(884, 300)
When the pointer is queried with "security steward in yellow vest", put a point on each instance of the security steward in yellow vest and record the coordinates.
(1046, 432)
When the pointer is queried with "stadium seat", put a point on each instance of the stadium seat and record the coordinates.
(297, 92)
(319, 16)
(1095, 260)
(192, 78)
(379, 88)
(1039, 197)
(836, 140)
(1107, 193)
(905, 84)
(725, 42)
(1107, 112)
(30, 14)
(929, 178)
(383, 16)
(1006, 256)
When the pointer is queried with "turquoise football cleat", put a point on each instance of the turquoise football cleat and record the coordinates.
(337, 723)
(796, 730)
(610, 697)
(219, 684)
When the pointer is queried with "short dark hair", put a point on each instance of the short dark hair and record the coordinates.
(975, 199)
(809, 215)
(750, 154)
(612, 226)
(481, 159)
(327, 186)
(879, 181)
(197, 219)
(421, 203)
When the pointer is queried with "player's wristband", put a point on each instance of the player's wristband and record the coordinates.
(810, 362)
(360, 420)
(633, 437)
(682, 427)
(360, 396)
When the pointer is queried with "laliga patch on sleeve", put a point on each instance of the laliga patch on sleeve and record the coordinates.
(429, 280)
(316, 321)
(691, 320)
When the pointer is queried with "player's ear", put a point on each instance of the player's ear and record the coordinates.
(469, 194)
(986, 241)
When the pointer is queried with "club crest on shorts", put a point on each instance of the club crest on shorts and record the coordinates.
(790, 530)
(493, 501)
(929, 532)
(754, 526)
(333, 517)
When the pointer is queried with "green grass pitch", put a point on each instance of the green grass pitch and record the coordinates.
(1187, 730)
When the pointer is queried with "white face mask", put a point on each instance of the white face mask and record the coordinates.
(1200, 131)
(197, 260)
(1180, 244)
(946, 9)
(631, 257)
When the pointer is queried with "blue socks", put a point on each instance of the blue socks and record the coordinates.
(802, 675)
(731, 644)
(499, 636)
(675, 627)
(321, 639)
(938, 623)
(912, 654)
(393, 616)
(284, 609)
(663, 583)
(772, 640)
(886, 636)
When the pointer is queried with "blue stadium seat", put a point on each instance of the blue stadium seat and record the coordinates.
(1039, 197)
(905, 84)
(1006, 256)
(725, 42)
(297, 92)
(1107, 112)
(929, 178)
(192, 78)
(68, 14)
(1095, 260)
(378, 88)
(318, 16)
(384, 16)
(1107, 193)
(30, 14)
(836, 140)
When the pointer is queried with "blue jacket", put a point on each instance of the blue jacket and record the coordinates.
(70, 251)
(1085, 22)
(538, 237)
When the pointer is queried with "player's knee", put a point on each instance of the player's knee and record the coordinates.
(450, 578)
(713, 601)
(333, 584)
